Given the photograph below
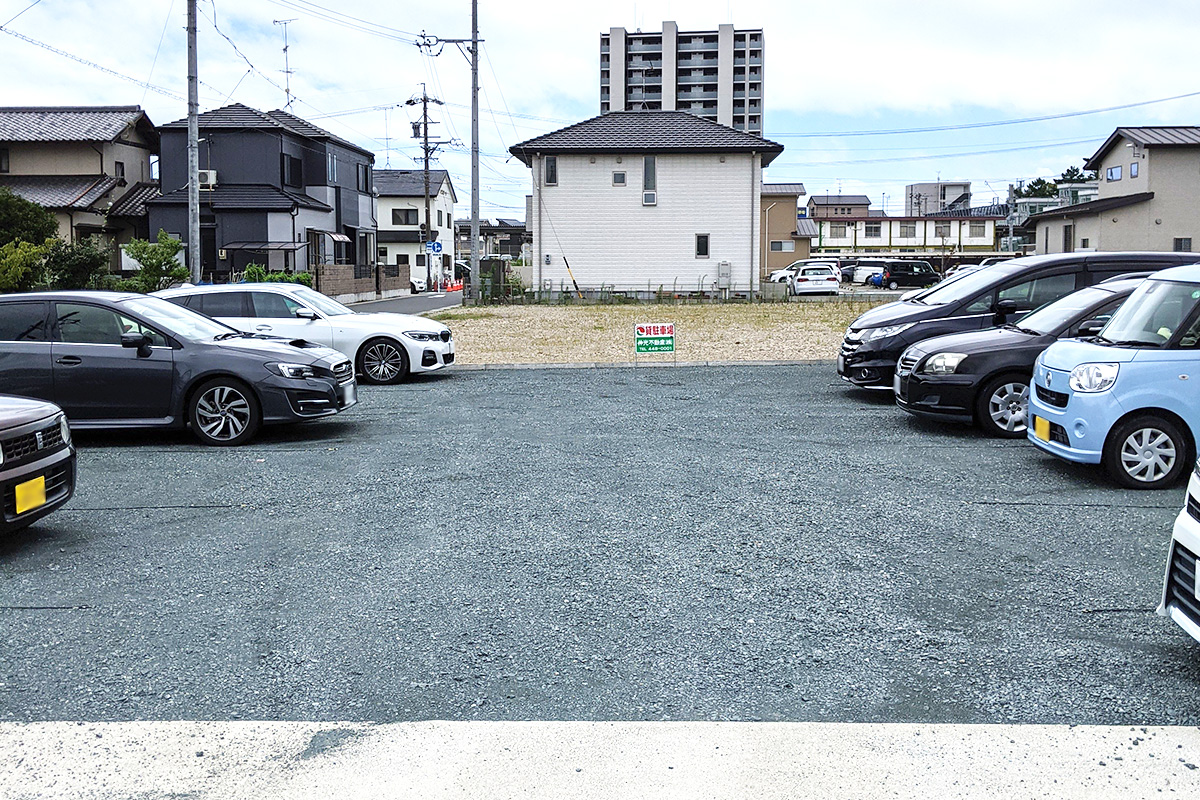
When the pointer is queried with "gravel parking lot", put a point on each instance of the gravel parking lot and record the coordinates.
(608, 544)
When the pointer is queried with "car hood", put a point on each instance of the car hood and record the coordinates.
(898, 313)
(20, 410)
(975, 342)
(387, 320)
(1070, 353)
(274, 347)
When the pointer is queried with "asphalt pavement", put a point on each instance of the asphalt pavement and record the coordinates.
(691, 544)
(413, 303)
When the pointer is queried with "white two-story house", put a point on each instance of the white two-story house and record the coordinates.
(646, 201)
(928, 235)
(401, 238)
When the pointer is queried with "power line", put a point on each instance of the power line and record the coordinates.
(22, 11)
(157, 50)
(346, 21)
(929, 157)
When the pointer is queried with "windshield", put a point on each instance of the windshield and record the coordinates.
(177, 320)
(962, 288)
(1153, 313)
(327, 306)
(1052, 317)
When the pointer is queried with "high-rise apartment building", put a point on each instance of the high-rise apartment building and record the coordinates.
(717, 74)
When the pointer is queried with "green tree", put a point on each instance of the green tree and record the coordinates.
(21, 220)
(22, 264)
(1076, 175)
(160, 267)
(1038, 187)
(78, 265)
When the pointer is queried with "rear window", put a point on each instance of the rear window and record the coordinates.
(23, 322)
(817, 271)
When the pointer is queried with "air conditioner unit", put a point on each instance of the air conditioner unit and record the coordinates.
(208, 178)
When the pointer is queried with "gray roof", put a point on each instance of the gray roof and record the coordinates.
(1151, 136)
(71, 123)
(1092, 207)
(238, 116)
(998, 210)
(783, 188)
(244, 197)
(60, 191)
(840, 200)
(410, 182)
(806, 229)
(133, 202)
(646, 132)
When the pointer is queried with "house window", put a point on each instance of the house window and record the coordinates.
(402, 259)
(1084, 244)
(1133, 170)
(119, 170)
(838, 230)
(650, 183)
(908, 230)
(1183, 245)
(420, 259)
(552, 170)
(783, 246)
(439, 218)
(362, 177)
(978, 230)
(874, 230)
(404, 216)
(701, 245)
(330, 168)
(292, 170)
(1068, 238)
(1113, 173)
(941, 230)
(618, 179)
(3, 159)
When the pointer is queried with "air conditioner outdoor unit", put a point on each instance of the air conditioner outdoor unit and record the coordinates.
(208, 178)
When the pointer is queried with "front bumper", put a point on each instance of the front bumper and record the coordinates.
(56, 469)
(1075, 425)
(429, 356)
(947, 397)
(1181, 595)
(290, 400)
(869, 365)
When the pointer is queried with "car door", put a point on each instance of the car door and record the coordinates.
(96, 378)
(275, 315)
(232, 308)
(25, 362)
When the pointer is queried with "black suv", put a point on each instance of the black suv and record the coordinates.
(898, 274)
(1000, 294)
(37, 461)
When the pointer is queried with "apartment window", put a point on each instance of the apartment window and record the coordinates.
(552, 170)
(701, 245)
(362, 177)
(618, 179)
(874, 230)
(783, 246)
(941, 229)
(331, 168)
(908, 230)
(1133, 170)
(291, 170)
(439, 218)
(119, 170)
(977, 230)
(3, 159)
(838, 230)
(1183, 245)
(650, 182)
(404, 216)
(1113, 173)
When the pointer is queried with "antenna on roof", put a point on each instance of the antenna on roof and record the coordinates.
(287, 70)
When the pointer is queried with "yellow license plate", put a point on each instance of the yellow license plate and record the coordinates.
(1041, 428)
(31, 494)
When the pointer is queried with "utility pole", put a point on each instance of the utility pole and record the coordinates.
(193, 147)
(427, 150)
(287, 70)
(1012, 212)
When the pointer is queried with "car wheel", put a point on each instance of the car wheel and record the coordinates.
(224, 412)
(1002, 407)
(893, 285)
(1146, 452)
(383, 361)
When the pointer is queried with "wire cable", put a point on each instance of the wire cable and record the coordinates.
(157, 50)
(22, 11)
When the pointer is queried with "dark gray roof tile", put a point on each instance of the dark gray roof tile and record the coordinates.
(60, 191)
(70, 123)
(243, 197)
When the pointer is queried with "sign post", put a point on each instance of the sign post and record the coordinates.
(432, 250)
(654, 337)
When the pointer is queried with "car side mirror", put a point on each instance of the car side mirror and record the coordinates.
(1002, 309)
(306, 313)
(139, 340)
(1090, 328)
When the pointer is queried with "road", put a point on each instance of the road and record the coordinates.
(413, 304)
(699, 544)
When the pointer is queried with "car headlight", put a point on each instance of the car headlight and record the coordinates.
(423, 336)
(889, 330)
(297, 371)
(943, 363)
(1093, 377)
(64, 428)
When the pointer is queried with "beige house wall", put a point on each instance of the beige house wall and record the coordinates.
(780, 225)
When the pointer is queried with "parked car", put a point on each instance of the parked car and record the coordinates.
(864, 269)
(113, 360)
(37, 458)
(384, 347)
(786, 274)
(900, 273)
(1179, 600)
(983, 299)
(1126, 398)
(416, 285)
(816, 279)
(984, 376)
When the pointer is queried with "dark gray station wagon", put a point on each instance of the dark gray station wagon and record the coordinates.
(126, 360)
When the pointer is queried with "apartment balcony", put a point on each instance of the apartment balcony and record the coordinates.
(694, 94)
(644, 97)
(644, 47)
(697, 61)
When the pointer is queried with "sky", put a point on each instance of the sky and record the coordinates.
(851, 89)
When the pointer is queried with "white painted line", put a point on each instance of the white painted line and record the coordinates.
(557, 760)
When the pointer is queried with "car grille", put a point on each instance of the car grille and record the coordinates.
(1181, 582)
(908, 362)
(448, 358)
(1193, 507)
(24, 446)
(1059, 434)
(445, 336)
(58, 483)
(850, 346)
(1051, 397)
(343, 371)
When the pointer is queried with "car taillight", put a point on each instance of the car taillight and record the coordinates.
(801, 280)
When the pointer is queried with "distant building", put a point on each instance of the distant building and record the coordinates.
(971, 231)
(786, 236)
(717, 75)
(838, 205)
(402, 235)
(928, 198)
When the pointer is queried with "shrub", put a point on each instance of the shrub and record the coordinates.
(21, 220)
(78, 265)
(22, 265)
(160, 267)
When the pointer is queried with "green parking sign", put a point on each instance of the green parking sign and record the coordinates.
(654, 337)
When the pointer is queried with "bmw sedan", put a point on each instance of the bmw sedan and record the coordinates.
(115, 360)
(384, 347)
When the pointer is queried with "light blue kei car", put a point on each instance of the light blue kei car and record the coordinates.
(1128, 398)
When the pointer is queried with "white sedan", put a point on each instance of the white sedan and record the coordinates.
(385, 347)
(821, 279)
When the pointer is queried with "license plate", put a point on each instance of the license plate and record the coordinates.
(31, 494)
(1041, 428)
(349, 394)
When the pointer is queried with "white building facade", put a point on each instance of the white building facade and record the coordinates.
(930, 235)
(401, 237)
